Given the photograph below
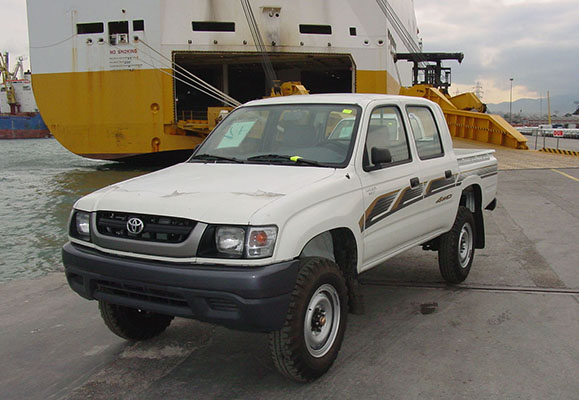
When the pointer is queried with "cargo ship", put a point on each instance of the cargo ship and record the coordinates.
(105, 76)
(133, 79)
(19, 116)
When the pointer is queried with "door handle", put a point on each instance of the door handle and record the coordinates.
(447, 174)
(414, 182)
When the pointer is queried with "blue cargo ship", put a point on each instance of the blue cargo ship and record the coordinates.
(23, 126)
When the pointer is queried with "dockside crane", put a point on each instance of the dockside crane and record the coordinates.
(6, 81)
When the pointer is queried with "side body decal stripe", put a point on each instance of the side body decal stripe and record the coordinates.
(384, 205)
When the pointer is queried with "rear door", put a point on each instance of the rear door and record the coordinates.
(437, 169)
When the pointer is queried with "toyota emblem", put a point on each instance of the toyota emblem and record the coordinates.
(135, 226)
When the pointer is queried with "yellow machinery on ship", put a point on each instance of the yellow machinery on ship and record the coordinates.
(466, 118)
(465, 113)
(216, 114)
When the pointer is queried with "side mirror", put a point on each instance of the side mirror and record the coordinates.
(380, 155)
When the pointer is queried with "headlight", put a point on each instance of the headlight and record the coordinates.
(229, 240)
(260, 241)
(237, 242)
(80, 225)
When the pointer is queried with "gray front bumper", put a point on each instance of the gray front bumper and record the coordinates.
(241, 297)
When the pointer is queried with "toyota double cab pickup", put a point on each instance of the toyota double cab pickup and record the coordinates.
(269, 224)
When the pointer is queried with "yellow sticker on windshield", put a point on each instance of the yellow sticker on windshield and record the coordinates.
(295, 158)
(346, 111)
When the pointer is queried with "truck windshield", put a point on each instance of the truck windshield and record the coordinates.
(293, 134)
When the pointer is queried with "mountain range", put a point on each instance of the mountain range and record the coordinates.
(560, 105)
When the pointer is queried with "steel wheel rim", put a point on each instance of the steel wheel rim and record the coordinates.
(465, 245)
(324, 306)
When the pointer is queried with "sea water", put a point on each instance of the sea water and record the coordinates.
(39, 183)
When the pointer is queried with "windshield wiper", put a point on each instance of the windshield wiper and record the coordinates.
(269, 157)
(281, 157)
(211, 157)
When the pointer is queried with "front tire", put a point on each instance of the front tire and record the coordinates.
(133, 324)
(456, 251)
(309, 342)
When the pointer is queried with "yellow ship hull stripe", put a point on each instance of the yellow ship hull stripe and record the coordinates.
(111, 114)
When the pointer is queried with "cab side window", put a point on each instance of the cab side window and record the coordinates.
(425, 131)
(386, 141)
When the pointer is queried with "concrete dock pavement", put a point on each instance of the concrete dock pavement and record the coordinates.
(510, 331)
(50, 341)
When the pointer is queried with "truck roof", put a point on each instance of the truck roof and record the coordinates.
(361, 99)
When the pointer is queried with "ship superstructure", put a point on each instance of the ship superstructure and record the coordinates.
(19, 117)
(114, 79)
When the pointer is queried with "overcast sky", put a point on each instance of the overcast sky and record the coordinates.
(13, 28)
(535, 42)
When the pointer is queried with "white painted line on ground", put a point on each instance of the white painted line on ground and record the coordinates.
(564, 174)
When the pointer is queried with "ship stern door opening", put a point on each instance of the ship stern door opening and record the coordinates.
(241, 76)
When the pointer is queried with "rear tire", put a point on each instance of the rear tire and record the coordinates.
(456, 251)
(133, 324)
(309, 342)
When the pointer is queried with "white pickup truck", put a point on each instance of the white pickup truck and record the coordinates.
(269, 224)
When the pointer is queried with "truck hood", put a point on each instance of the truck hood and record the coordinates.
(211, 193)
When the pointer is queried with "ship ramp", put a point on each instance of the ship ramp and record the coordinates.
(467, 124)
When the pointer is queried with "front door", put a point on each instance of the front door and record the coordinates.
(390, 185)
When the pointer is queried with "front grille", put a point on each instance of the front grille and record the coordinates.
(140, 292)
(156, 228)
